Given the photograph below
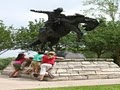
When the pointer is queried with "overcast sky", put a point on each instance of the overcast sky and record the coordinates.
(17, 12)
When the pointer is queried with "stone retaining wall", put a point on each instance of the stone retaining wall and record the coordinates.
(80, 69)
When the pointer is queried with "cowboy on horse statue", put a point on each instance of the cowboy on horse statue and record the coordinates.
(59, 25)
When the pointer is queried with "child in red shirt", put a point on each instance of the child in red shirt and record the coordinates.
(47, 63)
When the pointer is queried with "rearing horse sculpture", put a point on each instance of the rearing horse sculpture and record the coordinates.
(61, 29)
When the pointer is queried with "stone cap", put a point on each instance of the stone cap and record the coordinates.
(87, 59)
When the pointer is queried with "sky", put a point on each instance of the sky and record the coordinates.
(17, 12)
(14, 53)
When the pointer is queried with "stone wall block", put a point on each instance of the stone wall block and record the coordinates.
(64, 74)
(86, 72)
(97, 72)
(111, 70)
(86, 62)
(111, 76)
(91, 69)
(97, 76)
(114, 66)
(61, 70)
(82, 77)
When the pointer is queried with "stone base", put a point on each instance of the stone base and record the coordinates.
(78, 69)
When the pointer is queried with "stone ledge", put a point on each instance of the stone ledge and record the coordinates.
(87, 59)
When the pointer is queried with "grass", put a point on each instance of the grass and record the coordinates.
(97, 87)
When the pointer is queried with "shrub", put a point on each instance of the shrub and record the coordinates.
(4, 62)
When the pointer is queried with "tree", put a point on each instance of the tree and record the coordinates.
(69, 43)
(113, 41)
(108, 8)
(24, 36)
(105, 39)
(95, 41)
(111, 32)
(5, 37)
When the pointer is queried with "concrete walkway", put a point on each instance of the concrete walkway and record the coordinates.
(7, 83)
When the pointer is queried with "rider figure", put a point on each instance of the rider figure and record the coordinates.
(53, 17)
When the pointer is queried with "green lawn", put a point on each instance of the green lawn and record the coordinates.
(98, 87)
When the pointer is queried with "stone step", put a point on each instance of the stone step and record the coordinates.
(77, 69)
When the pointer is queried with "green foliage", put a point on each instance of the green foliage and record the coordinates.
(108, 39)
(5, 36)
(94, 41)
(89, 54)
(4, 62)
(104, 39)
(97, 87)
(103, 7)
(24, 36)
(69, 43)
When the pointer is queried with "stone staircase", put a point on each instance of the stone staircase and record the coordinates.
(79, 69)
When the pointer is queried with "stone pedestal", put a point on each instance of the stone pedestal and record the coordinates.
(79, 69)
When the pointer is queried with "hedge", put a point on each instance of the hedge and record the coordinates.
(4, 62)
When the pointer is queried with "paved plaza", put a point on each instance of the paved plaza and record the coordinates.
(7, 83)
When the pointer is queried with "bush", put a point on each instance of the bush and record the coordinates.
(4, 62)
(89, 54)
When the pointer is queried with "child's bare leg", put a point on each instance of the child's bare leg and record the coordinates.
(12, 74)
(16, 73)
(42, 77)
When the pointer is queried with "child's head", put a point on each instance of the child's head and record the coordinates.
(30, 58)
(51, 54)
(20, 56)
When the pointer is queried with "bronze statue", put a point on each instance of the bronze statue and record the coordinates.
(61, 25)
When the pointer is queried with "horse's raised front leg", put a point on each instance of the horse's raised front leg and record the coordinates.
(42, 45)
(78, 32)
(53, 41)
